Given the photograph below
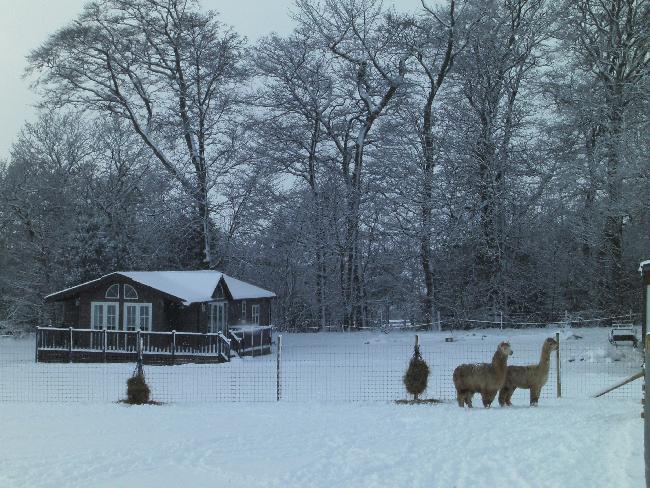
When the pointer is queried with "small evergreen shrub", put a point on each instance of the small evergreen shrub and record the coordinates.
(417, 374)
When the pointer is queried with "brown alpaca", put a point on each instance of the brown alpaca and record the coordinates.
(483, 378)
(532, 377)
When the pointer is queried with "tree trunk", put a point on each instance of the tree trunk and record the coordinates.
(613, 230)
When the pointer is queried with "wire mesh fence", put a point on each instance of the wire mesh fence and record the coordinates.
(325, 367)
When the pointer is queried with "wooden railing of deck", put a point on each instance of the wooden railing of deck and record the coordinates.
(173, 344)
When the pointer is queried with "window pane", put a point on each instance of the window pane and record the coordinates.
(145, 320)
(130, 317)
(113, 291)
(130, 293)
(111, 317)
(98, 316)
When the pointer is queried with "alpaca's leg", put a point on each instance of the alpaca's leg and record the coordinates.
(488, 398)
(503, 396)
(509, 394)
(534, 395)
(460, 396)
(468, 398)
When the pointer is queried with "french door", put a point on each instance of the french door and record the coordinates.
(137, 316)
(105, 315)
(217, 321)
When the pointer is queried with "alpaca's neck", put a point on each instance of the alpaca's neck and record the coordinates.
(499, 361)
(545, 358)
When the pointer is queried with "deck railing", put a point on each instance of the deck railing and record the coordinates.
(251, 340)
(170, 345)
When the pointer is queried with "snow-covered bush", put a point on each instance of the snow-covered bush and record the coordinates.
(417, 374)
(137, 390)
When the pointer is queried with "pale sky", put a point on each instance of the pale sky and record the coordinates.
(25, 24)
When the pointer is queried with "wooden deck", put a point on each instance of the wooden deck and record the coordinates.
(89, 345)
(251, 340)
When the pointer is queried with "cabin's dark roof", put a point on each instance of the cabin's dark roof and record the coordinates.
(187, 286)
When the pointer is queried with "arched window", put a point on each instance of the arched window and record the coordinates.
(130, 293)
(113, 291)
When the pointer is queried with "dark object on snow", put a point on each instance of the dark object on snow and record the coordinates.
(137, 391)
(417, 374)
(619, 335)
(423, 401)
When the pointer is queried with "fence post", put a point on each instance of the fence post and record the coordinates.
(70, 347)
(38, 333)
(278, 390)
(139, 345)
(646, 410)
(173, 345)
(104, 343)
(139, 354)
(557, 362)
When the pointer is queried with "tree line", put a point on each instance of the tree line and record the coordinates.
(469, 157)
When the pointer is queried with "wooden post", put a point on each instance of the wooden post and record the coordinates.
(38, 333)
(646, 411)
(38, 338)
(624, 382)
(557, 362)
(278, 389)
(139, 346)
(173, 345)
(417, 346)
(70, 347)
(104, 343)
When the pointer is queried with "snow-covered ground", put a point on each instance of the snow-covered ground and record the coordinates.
(335, 426)
(323, 367)
(562, 443)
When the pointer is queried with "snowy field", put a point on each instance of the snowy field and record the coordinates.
(336, 424)
(323, 367)
(562, 443)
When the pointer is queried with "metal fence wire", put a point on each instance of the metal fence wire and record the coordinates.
(346, 368)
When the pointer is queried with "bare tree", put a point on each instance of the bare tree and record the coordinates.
(171, 71)
(505, 49)
(369, 45)
(438, 41)
(610, 42)
(297, 92)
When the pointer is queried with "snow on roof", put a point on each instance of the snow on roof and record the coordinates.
(71, 288)
(643, 265)
(189, 286)
(240, 289)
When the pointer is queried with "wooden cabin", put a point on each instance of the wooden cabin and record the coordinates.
(197, 313)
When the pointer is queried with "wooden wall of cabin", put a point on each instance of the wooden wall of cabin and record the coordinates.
(193, 318)
(166, 314)
(145, 295)
(70, 309)
(236, 315)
